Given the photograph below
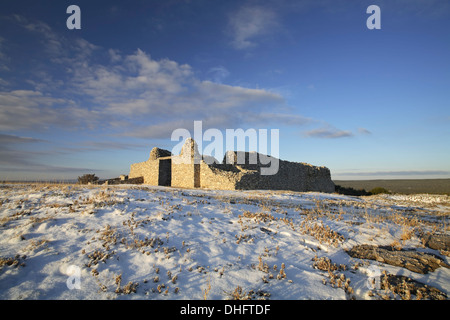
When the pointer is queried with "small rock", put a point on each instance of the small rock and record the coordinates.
(437, 241)
(412, 260)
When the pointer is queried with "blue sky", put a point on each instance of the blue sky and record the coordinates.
(368, 104)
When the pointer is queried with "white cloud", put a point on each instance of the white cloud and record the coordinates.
(218, 74)
(151, 91)
(112, 145)
(249, 23)
(266, 118)
(13, 139)
(328, 133)
(3, 82)
(364, 131)
(161, 130)
(134, 94)
(114, 55)
(151, 96)
(27, 109)
(51, 40)
(10, 156)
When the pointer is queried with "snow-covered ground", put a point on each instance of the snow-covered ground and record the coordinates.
(143, 242)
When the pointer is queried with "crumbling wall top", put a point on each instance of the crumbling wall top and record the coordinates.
(159, 153)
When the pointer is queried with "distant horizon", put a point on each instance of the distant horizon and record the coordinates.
(395, 186)
(106, 178)
(367, 103)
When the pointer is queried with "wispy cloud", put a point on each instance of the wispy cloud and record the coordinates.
(4, 59)
(133, 89)
(328, 133)
(267, 118)
(250, 23)
(48, 169)
(14, 159)
(218, 74)
(11, 155)
(109, 145)
(148, 92)
(364, 131)
(14, 139)
(162, 130)
(52, 43)
(135, 95)
(28, 109)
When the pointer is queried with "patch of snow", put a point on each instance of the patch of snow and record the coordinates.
(168, 243)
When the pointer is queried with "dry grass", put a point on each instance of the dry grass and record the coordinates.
(335, 279)
(396, 245)
(325, 264)
(321, 220)
(129, 288)
(239, 294)
(36, 244)
(98, 256)
(322, 233)
(207, 289)
(407, 233)
(405, 288)
(16, 261)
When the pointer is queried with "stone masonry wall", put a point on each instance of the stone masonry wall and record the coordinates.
(218, 177)
(183, 175)
(156, 170)
(290, 176)
(149, 170)
(188, 170)
(185, 171)
(293, 176)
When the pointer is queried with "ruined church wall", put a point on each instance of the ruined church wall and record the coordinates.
(149, 170)
(319, 179)
(183, 174)
(212, 177)
(290, 176)
(203, 175)
(180, 171)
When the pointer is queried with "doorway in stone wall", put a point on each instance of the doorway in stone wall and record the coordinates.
(196, 175)
(165, 172)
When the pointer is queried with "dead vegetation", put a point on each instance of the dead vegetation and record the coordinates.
(270, 271)
(16, 261)
(129, 288)
(239, 294)
(322, 233)
(335, 278)
(326, 225)
(407, 289)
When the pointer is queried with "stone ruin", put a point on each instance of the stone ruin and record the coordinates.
(189, 169)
